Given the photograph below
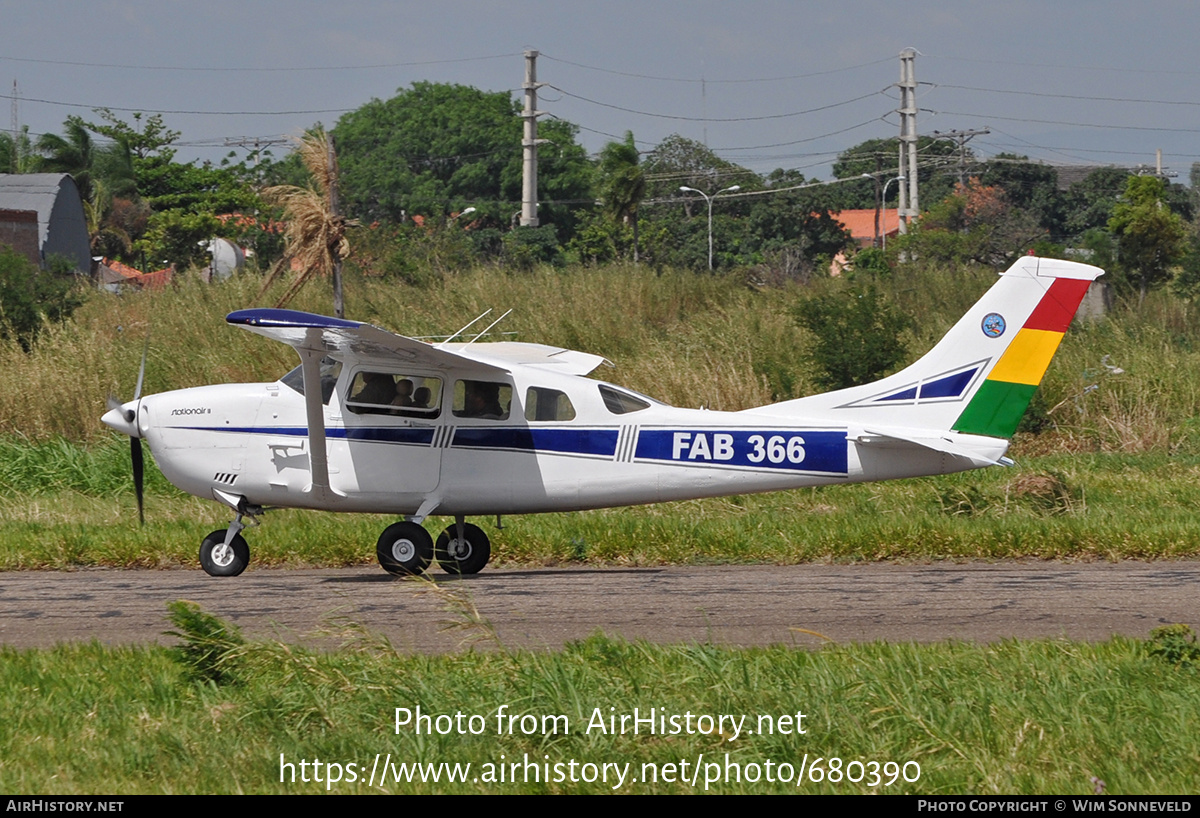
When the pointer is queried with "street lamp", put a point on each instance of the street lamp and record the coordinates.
(884, 199)
(709, 199)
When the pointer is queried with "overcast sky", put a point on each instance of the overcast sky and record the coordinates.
(1068, 82)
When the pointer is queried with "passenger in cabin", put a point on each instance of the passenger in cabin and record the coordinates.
(482, 400)
(421, 397)
(404, 393)
(378, 388)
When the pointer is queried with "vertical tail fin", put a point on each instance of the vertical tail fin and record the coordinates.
(980, 377)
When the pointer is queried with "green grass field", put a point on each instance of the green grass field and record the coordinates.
(1040, 717)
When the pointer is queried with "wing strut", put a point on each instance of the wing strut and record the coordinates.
(318, 460)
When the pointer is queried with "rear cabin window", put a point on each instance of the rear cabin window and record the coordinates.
(392, 393)
(620, 402)
(482, 399)
(547, 404)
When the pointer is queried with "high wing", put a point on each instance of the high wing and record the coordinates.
(358, 341)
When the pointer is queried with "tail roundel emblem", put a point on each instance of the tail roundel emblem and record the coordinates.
(993, 325)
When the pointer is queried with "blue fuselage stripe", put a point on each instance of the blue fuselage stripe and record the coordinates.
(596, 442)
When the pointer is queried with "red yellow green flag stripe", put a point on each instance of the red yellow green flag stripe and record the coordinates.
(1002, 399)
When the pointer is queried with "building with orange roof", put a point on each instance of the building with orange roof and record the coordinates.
(113, 276)
(861, 224)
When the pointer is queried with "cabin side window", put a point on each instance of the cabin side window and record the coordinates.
(330, 370)
(393, 393)
(620, 402)
(547, 404)
(482, 399)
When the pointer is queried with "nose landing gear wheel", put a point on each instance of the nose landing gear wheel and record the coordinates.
(465, 556)
(404, 549)
(221, 560)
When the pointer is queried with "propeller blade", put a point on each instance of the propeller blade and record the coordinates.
(137, 393)
(135, 455)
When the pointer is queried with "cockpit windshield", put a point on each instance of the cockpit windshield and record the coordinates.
(330, 369)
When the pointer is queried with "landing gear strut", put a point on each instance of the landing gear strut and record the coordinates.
(224, 556)
(224, 553)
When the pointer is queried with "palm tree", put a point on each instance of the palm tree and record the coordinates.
(101, 171)
(16, 155)
(77, 153)
(315, 232)
(622, 183)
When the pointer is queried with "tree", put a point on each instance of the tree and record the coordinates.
(142, 141)
(974, 224)
(1088, 204)
(937, 161)
(30, 297)
(1150, 237)
(434, 149)
(316, 232)
(622, 184)
(678, 161)
(78, 154)
(857, 336)
(104, 174)
(1028, 186)
(17, 156)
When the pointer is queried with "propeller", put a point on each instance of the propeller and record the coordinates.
(136, 458)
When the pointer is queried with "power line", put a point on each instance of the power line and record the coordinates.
(802, 141)
(1072, 124)
(166, 111)
(1008, 64)
(250, 69)
(1068, 96)
(712, 119)
(703, 81)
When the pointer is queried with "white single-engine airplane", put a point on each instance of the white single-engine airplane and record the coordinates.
(376, 422)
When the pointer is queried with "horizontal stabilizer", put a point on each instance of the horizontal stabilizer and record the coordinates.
(941, 444)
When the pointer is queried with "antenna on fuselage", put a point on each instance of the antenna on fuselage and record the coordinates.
(467, 327)
(489, 326)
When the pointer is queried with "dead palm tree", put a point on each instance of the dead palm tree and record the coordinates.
(315, 231)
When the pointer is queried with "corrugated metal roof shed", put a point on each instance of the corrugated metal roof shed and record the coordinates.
(62, 227)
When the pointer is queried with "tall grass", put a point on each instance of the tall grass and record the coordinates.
(692, 340)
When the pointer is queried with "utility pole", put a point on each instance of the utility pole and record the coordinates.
(339, 303)
(258, 143)
(909, 206)
(962, 137)
(1142, 170)
(16, 149)
(529, 144)
(878, 197)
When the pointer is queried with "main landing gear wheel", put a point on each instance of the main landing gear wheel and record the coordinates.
(221, 560)
(404, 548)
(463, 556)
